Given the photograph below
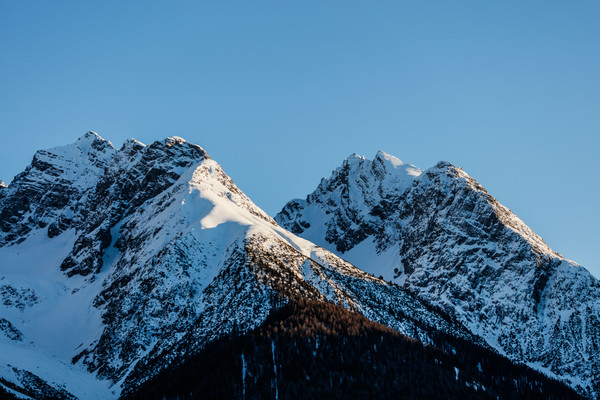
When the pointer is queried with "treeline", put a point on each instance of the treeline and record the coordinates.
(317, 350)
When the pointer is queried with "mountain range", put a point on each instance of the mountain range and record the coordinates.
(118, 266)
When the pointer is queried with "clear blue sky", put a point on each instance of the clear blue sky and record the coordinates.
(280, 92)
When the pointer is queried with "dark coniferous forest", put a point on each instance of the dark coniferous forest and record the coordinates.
(315, 350)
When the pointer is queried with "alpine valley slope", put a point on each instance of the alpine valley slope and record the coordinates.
(116, 263)
(440, 235)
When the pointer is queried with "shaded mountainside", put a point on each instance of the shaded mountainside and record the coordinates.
(117, 263)
(315, 350)
(440, 235)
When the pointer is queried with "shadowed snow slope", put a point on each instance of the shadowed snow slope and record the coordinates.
(440, 235)
(115, 263)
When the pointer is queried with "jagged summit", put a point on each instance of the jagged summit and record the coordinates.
(93, 136)
(380, 157)
(2, 184)
(441, 235)
(131, 145)
(89, 142)
(387, 158)
(346, 199)
(169, 142)
(175, 139)
(61, 183)
(354, 157)
(51, 187)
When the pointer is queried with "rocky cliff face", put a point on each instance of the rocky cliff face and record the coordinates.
(440, 235)
(54, 189)
(116, 263)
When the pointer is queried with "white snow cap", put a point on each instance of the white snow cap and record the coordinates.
(133, 141)
(354, 157)
(392, 165)
(397, 165)
(84, 142)
(2, 184)
(394, 161)
(131, 144)
(91, 136)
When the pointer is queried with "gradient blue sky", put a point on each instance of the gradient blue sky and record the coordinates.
(280, 92)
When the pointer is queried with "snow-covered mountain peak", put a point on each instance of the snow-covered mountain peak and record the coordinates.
(3, 185)
(449, 169)
(354, 157)
(443, 236)
(384, 166)
(402, 174)
(449, 178)
(89, 144)
(176, 147)
(389, 159)
(130, 144)
(216, 186)
(92, 136)
(172, 140)
(56, 179)
(80, 162)
(445, 173)
(443, 165)
(343, 202)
